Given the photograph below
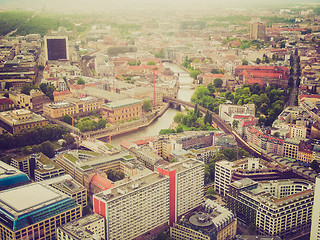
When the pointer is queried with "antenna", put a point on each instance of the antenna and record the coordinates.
(114, 87)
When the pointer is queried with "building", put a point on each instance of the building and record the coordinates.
(56, 48)
(222, 177)
(213, 222)
(91, 227)
(72, 107)
(291, 148)
(315, 224)
(16, 120)
(122, 110)
(38, 166)
(263, 75)
(277, 208)
(70, 187)
(22, 212)
(89, 168)
(209, 78)
(257, 30)
(6, 104)
(227, 111)
(130, 208)
(11, 177)
(192, 139)
(264, 142)
(204, 154)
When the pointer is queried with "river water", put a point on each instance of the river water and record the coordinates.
(185, 92)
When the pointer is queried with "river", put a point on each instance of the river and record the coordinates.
(185, 92)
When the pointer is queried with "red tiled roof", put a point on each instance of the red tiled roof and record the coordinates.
(6, 100)
(309, 96)
(55, 93)
(260, 67)
(101, 182)
(254, 80)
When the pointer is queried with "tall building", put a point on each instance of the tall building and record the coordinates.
(135, 208)
(277, 208)
(315, 224)
(34, 211)
(257, 30)
(56, 48)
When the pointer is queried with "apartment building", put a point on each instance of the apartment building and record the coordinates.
(130, 208)
(277, 208)
(222, 177)
(192, 139)
(315, 224)
(290, 148)
(227, 111)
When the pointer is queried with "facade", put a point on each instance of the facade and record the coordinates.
(212, 222)
(11, 177)
(25, 219)
(277, 208)
(257, 30)
(91, 227)
(222, 177)
(38, 166)
(122, 110)
(130, 208)
(264, 142)
(290, 148)
(204, 154)
(192, 139)
(72, 107)
(209, 78)
(298, 132)
(315, 224)
(56, 48)
(15, 120)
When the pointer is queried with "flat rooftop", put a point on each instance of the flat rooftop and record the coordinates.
(21, 200)
(183, 165)
(131, 186)
(122, 103)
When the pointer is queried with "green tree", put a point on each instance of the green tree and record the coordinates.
(69, 139)
(210, 193)
(102, 123)
(50, 90)
(194, 73)
(208, 118)
(43, 87)
(315, 166)
(47, 148)
(178, 117)
(218, 82)
(245, 62)
(80, 81)
(166, 131)
(147, 105)
(235, 124)
(150, 63)
(179, 129)
(67, 119)
(25, 89)
(258, 61)
(211, 88)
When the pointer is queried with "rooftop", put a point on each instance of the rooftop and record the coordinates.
(78, 228)
(122, 103)
(24, 199)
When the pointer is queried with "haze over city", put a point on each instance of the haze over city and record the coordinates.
(166, 120)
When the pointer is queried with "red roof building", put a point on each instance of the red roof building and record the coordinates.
(99, 183)
(6, 103)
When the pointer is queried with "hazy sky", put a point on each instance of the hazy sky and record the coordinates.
(118, 5)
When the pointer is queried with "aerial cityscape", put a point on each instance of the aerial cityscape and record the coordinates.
(167, 120)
